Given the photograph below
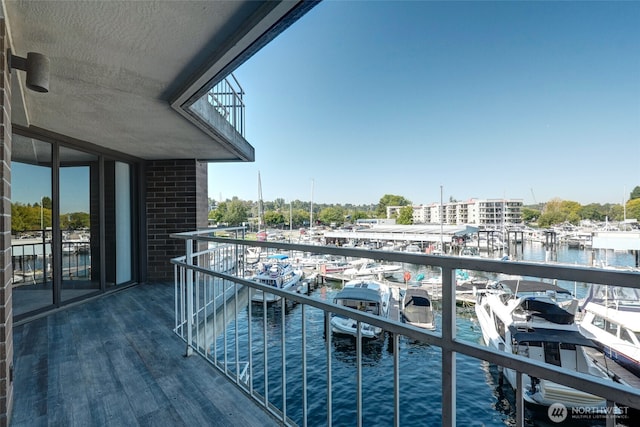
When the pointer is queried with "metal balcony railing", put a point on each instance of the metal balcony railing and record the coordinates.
(227, 99)
(212, 296)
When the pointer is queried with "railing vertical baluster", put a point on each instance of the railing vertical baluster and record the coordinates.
(327, 338)
(304, 365)
(264, 349)
(177, 286)
(207, 295)
(224, 329)
(189, 261)
(283, 347)
(396, 379)
(519, 400)
(610, 414)
(216, 284)
(250, 339)
(197, 309)
(359, 372)
(235, 301)
(448, 355)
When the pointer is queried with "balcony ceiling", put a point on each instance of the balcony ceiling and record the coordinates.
(122, 72)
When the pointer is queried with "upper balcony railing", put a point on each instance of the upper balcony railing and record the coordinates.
(227, 99)
(274, 358)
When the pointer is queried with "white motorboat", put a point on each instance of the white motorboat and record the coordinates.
(612, 319)
(278, 273)
(370, 296)
(370, 268)
(417, 309)
(536, 320)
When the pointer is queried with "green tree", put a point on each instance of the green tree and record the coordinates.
(635, 193)
(299, 217)
(236, 212)
(593, 211)
(405, 216)
(17, 219)
(331, 215)
(274, 219)
(217, 215)
(571, 211)
(356, 215)
(616, 213)
(389, 200)
(530, 215)
(633, 208)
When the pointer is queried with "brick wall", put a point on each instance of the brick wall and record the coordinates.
(176, 201)
(6, 312)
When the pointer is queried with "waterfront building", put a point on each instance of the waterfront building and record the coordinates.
(118, 106)
(140, 99)
(488, 213)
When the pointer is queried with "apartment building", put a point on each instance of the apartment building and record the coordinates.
(480, 212)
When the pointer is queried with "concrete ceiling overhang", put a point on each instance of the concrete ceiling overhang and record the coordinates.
(123, 74)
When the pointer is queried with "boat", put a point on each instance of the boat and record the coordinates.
(612, 319)
(417, 309)
(370, 296)
(278, 273)
(536, 319)
(370, 268)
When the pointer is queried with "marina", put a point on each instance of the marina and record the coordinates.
(486, 381)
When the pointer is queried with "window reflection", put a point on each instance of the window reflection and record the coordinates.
(78, 218)
(31, 210)
(72, 234)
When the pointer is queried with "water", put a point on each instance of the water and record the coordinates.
(482, 398)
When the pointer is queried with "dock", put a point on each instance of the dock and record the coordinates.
(617, 372)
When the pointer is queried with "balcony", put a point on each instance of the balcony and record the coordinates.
(120, 359)
(256, 346)
(114, 361)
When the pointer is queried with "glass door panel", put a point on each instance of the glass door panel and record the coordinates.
(31, 208)
(79, 223)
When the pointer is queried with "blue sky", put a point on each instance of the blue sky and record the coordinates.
(522, 100)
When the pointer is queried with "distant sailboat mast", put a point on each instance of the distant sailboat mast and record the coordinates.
(260, 205)
(311, 209)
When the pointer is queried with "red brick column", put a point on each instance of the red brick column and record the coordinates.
(176, 201)
(6, 310)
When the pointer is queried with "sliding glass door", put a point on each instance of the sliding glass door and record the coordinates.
(79, 209)
(72, 224)
(31, 210)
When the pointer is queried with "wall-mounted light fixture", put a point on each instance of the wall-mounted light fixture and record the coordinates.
(36, 65)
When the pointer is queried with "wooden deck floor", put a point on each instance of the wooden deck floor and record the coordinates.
(115, 361)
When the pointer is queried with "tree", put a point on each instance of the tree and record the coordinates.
(46, 203)
(530, 215)
(635, 193)
(633, 208)
(390, 200)
(236, 213)
(405, 216)
(273, 218)
(593, 211)
(218, 214)
(356, 215)
(331, 215)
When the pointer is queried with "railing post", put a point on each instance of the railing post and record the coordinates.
(448, 356)
(189, 260)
